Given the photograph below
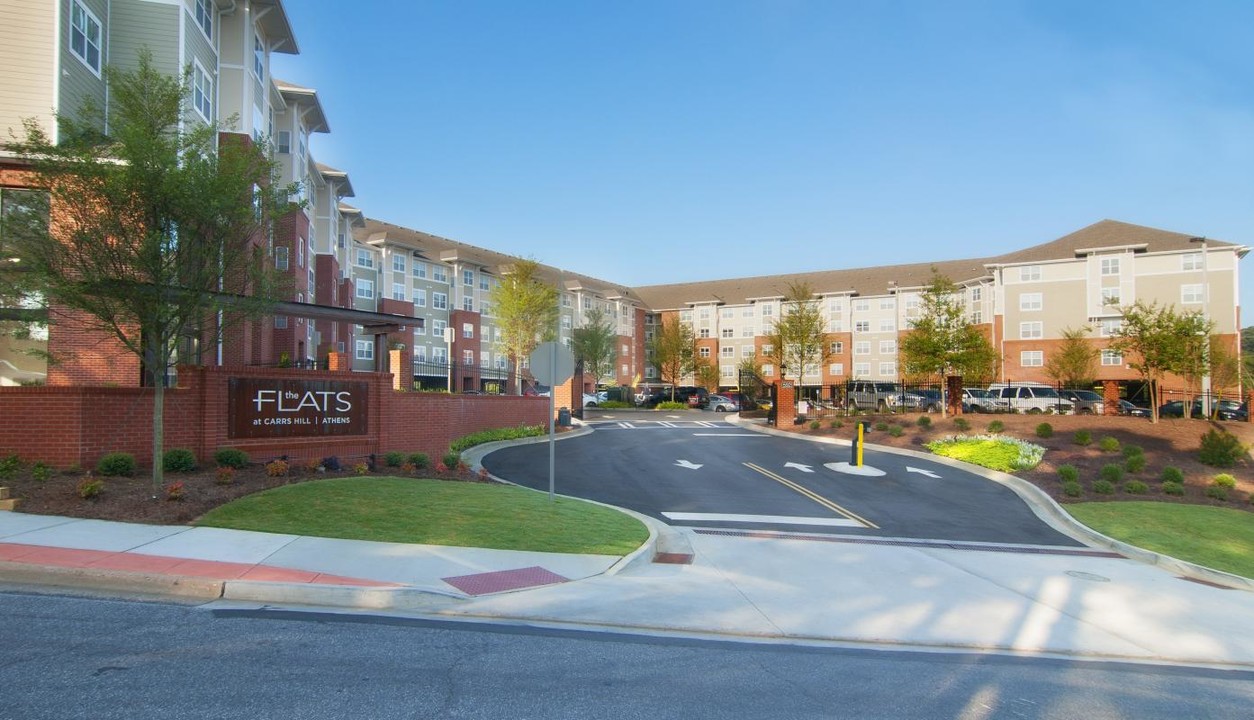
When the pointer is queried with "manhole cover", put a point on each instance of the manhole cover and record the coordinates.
(1081, 575)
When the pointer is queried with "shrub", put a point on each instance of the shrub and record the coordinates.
(1216, 492)
(1082, 437)
(332, 463)
(962, 424)
(409, 468)
(1134, 463)
(881, 426)
(90, 487)
(231, 457)
(178, 460)
(1133, 450)
(1068, 473)
(615, 405)
(41, 471)
(506, 433)
(1220, 448)
(361, 468)
(1044, 430)
(174, 491)
(1224, 480)
(996, 426)
(484, 476)
(990, 451)
(224, 475)
(1173, 488)
(276, 468)
(394, 459)
(924, 422)
(1103, 487)
(452, 459)
(9, 465)
(668, 405)
(1111, 473)
(1172, 474)
(1108, 444)
(1135, 487)
(118, 463)
(814, 425)
(441, 468)
(836, 424)
(896, 430)
(1072, 489)
(419, 460)
(313, 465)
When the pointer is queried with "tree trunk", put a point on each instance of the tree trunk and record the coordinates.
(156, 375)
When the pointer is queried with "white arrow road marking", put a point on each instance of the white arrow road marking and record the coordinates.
(772, 519)
(799, 466)
(928, 473)
(686, 464)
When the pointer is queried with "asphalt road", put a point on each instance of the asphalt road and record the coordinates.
(68, 658)
(696, 470)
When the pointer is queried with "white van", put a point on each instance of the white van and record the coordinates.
(1034, 398)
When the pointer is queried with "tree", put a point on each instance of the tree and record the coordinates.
(706, 373)
(798, 339)
(941, 342)
(143, 226)
(1225, 368)
(526, 310)
(672, 351)
(595, 345)
(1074, 363)
(1158, 341)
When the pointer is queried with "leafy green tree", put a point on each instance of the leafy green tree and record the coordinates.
(706, 374)
(798, 339)
(1074, 363)
(596, 345)
(941, 342)
(1157, 340)
(526, 310)
(672, 351)
(143, 226)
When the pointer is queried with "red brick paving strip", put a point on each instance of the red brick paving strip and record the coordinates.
(502, 580)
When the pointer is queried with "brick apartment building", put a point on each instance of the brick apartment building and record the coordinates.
(51, 58)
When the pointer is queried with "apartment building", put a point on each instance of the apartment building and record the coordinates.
(1023, 300)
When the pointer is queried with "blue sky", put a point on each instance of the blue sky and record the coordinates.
(664, 141)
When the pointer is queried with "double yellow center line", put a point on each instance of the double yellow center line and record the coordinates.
(813, 496)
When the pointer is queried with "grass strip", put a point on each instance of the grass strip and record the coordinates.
(1218, 538)
(433, 512)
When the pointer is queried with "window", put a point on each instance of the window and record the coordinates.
(468, 304)
(861, 305)
(1109, 327)
(861, 369)
(768, 310)
(365, 289)
(468, 358)
(835, 307)
(85, 36)
(977, 317)
(439, 301)
(888, 347)
(1032, 358)
(747, 331)
(365, 258)
(398, 263)
(365, 350)
(1191, 261)
(727, 313)
(912, 306)
(768, 370)
(888, 369)
(420, 269)
(836, 369)
(468, 331)
(704, 313)
(1031, 330)
(281, 253)
(888, 325)
(1110, 296)
(484, 285)
(439, 355)
(259, 58)
(727, 351)
(438, 327)
(1030, 301)
(976, 294)
(468, 278)
(862, 347)
(727, 371)
(747, 312)
(887, 304)
(283, 145)
(204, 17)
(1110, 266)
(398, 291)
(685, 316)
(420, 298)
(421, 328)
(485, 308)
(1190, 294)
(862, 326)
(1030, 273)
(202, 92)
(280, 322)
(703, 332)
(485, 359)
(703, 352)
(837, 348)
(300, 253)
(439, 274)
(420, 353)
(835, 326)
(1112, 358)
(728, 332)
(565, 322)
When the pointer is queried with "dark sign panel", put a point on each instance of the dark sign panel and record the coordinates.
(265, 408)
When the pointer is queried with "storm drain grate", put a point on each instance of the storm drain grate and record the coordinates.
(912, 543)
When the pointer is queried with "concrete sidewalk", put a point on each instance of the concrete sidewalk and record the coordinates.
(1068, 602)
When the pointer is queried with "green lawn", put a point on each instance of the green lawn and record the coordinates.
(434, 512)
(1218, 538)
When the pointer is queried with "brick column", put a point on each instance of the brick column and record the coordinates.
(1110, 397)
(395, 365)
(785, 399)
(568, 394)
(953, 394)
(338, 362)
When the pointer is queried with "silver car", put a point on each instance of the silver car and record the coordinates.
(723, 403)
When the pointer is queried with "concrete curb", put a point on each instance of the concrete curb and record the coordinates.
(113, 580)
(345, 596)
(1049, 511)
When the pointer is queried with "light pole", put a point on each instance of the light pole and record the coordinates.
(1206, 401)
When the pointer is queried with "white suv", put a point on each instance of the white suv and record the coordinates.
(1029, 398)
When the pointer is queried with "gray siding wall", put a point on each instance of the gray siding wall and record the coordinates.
(138, 24)
(79, 83)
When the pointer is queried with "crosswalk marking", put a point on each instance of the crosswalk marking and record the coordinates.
(763, 519)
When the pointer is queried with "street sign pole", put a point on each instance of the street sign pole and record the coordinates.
(552, 365)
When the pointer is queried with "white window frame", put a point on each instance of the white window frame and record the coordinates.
(259, 57)
(727, 351)
(365, 259)
(420, 269)
(861, 370)
(861, 305)
(1031, 302)
(439, 301)
(398, 291)
(862, 326)
(1109, 327)
(280, 322)
(887, 304)
(364, 289)
(204, 13)
(1031, 330)
(836, 369)
(888, 369)
(888, 325)
(364, 350)
(837, 347)
(468, 278)
(1032, 358)
(1191, 261)
(1191, 294)
(79, 11)
(1110, 266)
(1111, 296)
(1112, 358)
(439, 274)
(420, 298)
(438, 327)
(398, 263)
(202, 91)
(888, 347)
(282, 257)
(468, 331)
(1029, 273)
(862, 347)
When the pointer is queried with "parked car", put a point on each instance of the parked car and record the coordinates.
(1127, 408)
(1222, 409)
(979, 400)
(1033, 399)
(929, 400)
(723, 403)
(590, 400)
(882, 396)
(1086, 402)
